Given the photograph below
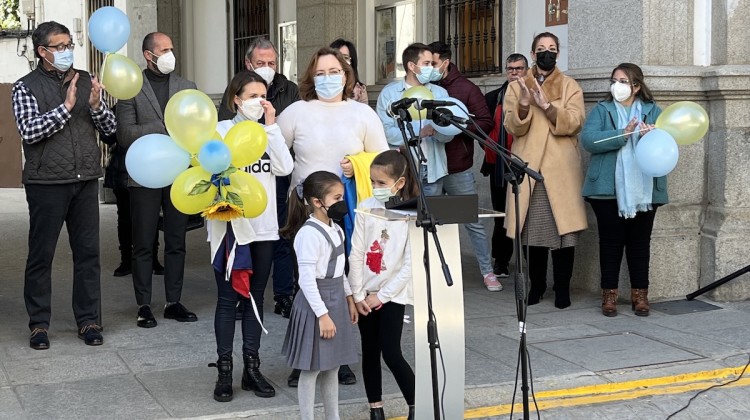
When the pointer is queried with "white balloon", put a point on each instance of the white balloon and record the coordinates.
(458, 110)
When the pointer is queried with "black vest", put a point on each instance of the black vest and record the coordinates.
(71, 154)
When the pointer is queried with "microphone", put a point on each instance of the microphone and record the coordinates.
(442, 117)
(428, 104)
(404, 103)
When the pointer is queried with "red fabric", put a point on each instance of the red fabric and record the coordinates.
(241, 282)
(460, 150)
(375, 257)
(490, 156)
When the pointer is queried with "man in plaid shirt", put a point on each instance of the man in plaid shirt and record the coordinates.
(58, 112)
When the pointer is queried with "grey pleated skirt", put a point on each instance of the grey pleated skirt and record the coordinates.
(540, 228)
(304, 348)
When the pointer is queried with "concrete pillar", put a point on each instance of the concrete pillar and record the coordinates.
(204, 31)
(142, 16)
(319, 22)
(726, 224)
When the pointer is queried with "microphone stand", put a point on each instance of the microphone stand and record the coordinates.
(425, 220)
(517, 170)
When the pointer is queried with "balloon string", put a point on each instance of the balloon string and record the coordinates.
(621, 135)
(104, 64)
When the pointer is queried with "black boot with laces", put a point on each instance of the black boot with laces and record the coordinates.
(223, 390)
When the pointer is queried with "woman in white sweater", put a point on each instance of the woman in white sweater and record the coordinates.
(246, 95)
(325, 126)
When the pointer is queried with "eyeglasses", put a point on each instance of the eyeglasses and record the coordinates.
(623, 81)
(62, 47)
(515, 69)
(331, 72)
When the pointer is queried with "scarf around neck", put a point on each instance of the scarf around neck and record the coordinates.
(633, 188)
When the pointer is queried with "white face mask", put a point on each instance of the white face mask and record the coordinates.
(620, 91)
(165, 63)
(266, 73)
(252, 108)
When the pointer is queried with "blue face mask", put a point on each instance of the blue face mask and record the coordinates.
(63, 60)
(425, 74)
(327, 87)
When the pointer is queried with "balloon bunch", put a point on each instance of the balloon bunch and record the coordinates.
(214, 186)
(681, 123)
(109, 30)
(422, 93)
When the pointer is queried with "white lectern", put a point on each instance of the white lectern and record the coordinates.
(448, 307)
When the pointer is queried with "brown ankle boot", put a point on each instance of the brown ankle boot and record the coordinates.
(609, 302)
(639, 297)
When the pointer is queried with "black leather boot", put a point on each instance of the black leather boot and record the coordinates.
(253, 380)
(377, 413)
(223, 390)
(411, 413)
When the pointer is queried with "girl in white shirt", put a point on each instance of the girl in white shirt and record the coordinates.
(320, 336)
(381, 281)
(246, 95)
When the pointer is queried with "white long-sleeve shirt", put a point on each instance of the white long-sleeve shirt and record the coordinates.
(322, 133)
(276, 161)
(313, 253)
(388, 271)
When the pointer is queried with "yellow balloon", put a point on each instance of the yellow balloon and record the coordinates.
(251, 191)
(184, 183)
(191, 119)
(194, 161)
(686, 121)
(247, 141)
(121, 76)
(216, 136)
(418, 92)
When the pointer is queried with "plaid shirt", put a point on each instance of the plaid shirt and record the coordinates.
(35, 127)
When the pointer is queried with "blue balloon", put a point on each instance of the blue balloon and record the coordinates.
(155, 160)
(214, 156)
(109, 29)
(657, 153)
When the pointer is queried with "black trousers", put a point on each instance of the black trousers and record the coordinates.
(381, 334)
(77, 205)
(125, 226)
(145, 204)
(617, 234)
(502, 245)
(226, 303)
(283, 260)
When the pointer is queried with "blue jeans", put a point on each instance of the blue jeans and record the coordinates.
(462, 183)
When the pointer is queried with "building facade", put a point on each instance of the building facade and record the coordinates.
(689, 50)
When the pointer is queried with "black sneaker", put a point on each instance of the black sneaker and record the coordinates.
(158, 268)
(122, 271)
(293, 380)
(38, 339)
(179, 313)
(346, 376)
(146, 317)
(91, 335)
(283, 306)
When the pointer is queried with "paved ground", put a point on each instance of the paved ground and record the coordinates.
(584, 365)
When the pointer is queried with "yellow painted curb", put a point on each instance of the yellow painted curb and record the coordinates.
(617, 391)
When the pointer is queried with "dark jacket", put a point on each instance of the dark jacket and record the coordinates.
(116, 174)
(460, 150)
(71, 154)
(281, 94)
(143, 115)
(490, 165)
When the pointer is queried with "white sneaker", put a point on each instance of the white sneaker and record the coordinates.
(491, 283)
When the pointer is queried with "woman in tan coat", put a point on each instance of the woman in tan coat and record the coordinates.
(544, 111)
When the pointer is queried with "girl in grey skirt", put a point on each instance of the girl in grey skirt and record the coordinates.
(320, 335)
